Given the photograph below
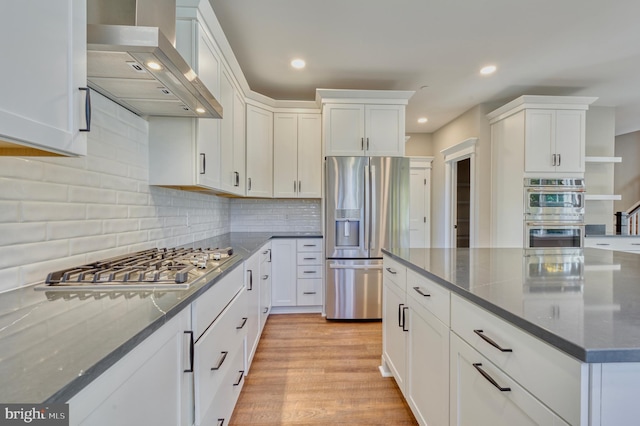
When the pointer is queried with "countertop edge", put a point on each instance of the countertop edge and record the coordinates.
(594, 356)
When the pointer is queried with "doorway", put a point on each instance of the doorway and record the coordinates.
(463, 203)
(460, 194)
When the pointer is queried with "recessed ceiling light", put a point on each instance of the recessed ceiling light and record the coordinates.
(489, 69)
(298, 63)
(200, 110)
(154, 65)
(422, 120)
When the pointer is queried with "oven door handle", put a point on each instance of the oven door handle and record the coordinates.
(562, 190)
(565, 224)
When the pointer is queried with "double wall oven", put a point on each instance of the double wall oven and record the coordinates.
(554, 212)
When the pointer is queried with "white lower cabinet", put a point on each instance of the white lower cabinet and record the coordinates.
(265, 284)
(151, 385)
(297, 273)
(252, 284)
(482, 394)
(394, 338)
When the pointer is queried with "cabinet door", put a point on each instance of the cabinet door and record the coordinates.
(265, 284)
(42, 106)
(476, 401)
(343, 129)
(148, 386)
(284, 272)
(384, 130)
(285, 155)
(252, 284)
(208, 129)
(259, 152)
(427, 367)
(227, 175)
(539, 141)
(394, 336)
(570, 141)
(239, 143)
(309, 156)
(419, 207)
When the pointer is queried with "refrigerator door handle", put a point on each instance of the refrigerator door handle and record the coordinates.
(339, 266)
(367, 208)
(373, 201)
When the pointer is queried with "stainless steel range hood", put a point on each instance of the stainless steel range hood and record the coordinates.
(125, 38)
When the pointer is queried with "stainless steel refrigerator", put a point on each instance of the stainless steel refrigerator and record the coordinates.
(366, 209)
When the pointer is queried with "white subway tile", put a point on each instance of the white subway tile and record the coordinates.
(21, 168)
(73, 229)
(92, 243)
(22, 233)
(33, 211)
(133, 198)
(22, 254)
(106, 211)
(9, 211)
(81, 194)
(128, 238)
(17, 189)
(115, 226)
(9, 279)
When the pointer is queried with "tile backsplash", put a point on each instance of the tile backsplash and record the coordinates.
(263, 215)
(59, 212)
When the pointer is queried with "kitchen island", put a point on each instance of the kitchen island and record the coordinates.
(566, 328)
(53, 344)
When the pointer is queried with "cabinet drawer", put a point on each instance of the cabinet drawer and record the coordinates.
(224, 401)
(207, 307)
(550, 375)
(394, 272)
(477, 401)
(309, 244)
(311, 271)
(430, 295)
(309, 258)
(216, 350)
(309, 292)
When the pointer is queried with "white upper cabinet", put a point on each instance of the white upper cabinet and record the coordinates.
(555, 140)
(232, 138)
(549, 131)
(185, 152)
(363, 122)
(44, 102)
(355, 130)
(297, 155)
(259, 152)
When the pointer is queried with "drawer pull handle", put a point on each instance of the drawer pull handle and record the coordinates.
(309, 245)
(244, 321)
(400, 316)
(265, 277)
(635, 244)
(491, 342)
(486, 375)
(191, 352)
(404, 318)
(265, 310)
(239, 379)
(310, 258)
(309, 272)
(391, 271)
(223, 356)
(309, 292)
(220, 422)
(419, 291)
(602, 244)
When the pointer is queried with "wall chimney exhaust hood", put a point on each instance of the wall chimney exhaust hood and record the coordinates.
(131, 59)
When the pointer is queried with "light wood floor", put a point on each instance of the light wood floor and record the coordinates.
(310, 371)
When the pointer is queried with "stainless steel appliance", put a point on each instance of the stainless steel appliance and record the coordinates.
(366, 209)
(131, 59)
(554, 212)
(153, 269)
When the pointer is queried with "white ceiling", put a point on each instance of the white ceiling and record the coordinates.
(541, 47)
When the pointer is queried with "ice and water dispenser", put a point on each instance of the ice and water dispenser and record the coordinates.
(347, 228)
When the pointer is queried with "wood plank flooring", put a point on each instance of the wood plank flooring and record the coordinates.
(310, 371)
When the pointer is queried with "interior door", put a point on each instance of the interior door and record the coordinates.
(417, 208)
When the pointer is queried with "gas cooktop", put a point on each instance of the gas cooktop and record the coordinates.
(162, 269)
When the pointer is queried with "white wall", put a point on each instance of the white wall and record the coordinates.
(472, 123)
(627, 173)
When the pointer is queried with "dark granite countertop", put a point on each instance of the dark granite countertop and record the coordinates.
(51, 349)
(585, 302)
